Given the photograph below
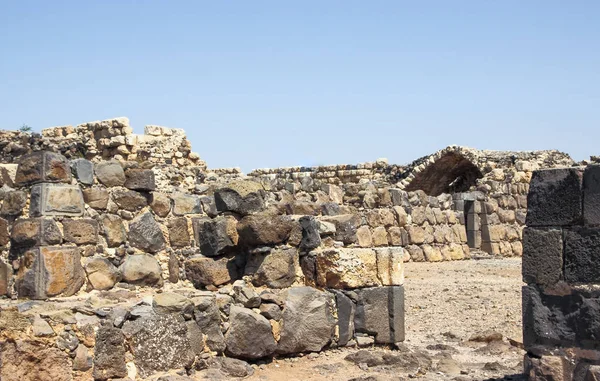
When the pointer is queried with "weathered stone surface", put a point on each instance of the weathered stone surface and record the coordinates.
(310, 233)
(173, 268)
(364, 238)
(43, 166)
(96, 198)
(208, 319)
(380, 313)
(41, 328)
(242, 197)
(113, 229)
(145, 234)
(140, 179)
(50, 271)
(542, 256)
(101, 274)
(82, 362)
(270, 311)
(549, 368)
(275, 269)
(308, 323)
(416, 234)
(81, 232)
(215, 236)
(345, 315)
(582, 253)
(160, 204)
(346, 268)
(5, 277)
(170, 302)
(109, 354)
(203, 271)
(345, 227)
(390, 265)
(179, 235)
(142, 269)
(591, 195)
(208, 206)
(186, 204)
(249, 335)
(159, 343)
(555, 197)
(25, 360)
(35, 232)
(380, 236)
(416, 253)
(110, 173)
(129, 200)
(263, 229)
(56, 200)
(14, 203)
(83, 170)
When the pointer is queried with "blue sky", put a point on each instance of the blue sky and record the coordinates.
(280, 83)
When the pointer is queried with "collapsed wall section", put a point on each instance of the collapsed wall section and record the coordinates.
(561, 301)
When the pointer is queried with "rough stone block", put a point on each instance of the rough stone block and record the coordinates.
(160, 204)
(50, 271)
(186, 204)
(81, 232)
(14, 203)
(43, 166)
(250, 335)
(208, 206)
(4, 236)
(474, 238)
(261, 229)
(555, 197)
(96, 198)
(56, 200)
(145, 234)
(346, 268)
(346, 226)
(142, 269)
(542, 255)
(35, 232)
(129, 200)
(380, 312)
(8, 173)
(110, 173)
(311, 238)
(83, 170)
(101, 273)
(390, 265)
(204, 271)
(215, 236)
(140, 179)
(591, 195)
(5, 278)
(275, 269)
(345, 313)
(179, 235)
(109, 354)
(242, 197)
(582, 254)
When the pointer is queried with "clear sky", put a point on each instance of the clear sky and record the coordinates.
(281, 83)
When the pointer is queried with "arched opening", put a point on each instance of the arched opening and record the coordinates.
(451, 173)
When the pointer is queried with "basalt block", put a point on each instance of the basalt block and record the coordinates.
(582, 253)
(215, 236)
(81, 232)
(250, 335)
(140, 179)
(43, 166)
(591, 195)
(28, 232)
(56, 200)
(14, 203)
(264, 229)
(110, 173)
(380, 313)
(186, 204)
(145, 234)
(50, 271)
(542, 255)
(242, 197)
(83, 170)
(96, 198)
(204, 271)
(274, 269)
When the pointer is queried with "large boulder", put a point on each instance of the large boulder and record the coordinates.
(145, 234)
(264, 229)
(204, 271)
(215, 236)
(380, 312)
(101, 274)
(110, 173)
(50, 271)
(56, 200)
(43, 166)
(109, 354)
(142, 269)
(242, 197)
(308, 323)
(275, 269)
(159, 343)
(249, 335)
(207, 318)
(140, 179)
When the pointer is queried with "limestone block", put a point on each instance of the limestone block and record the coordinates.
(506, 216)
(364, 237)
(416, 234)
(35, 232)
(140, 179)
(8, 173)
(591, 195)
(113, 229)
(145, 234)
(401, 215)
(380, 236)
(380, 217)
(141, 269)
(96, 198)
(56, 200)
(4, 235)
(101, 273)
(160, 204)
(50, 271)
(5, 278)
(215, 236)
(432, 253)
(275, 269)
(242, 197)
(81, 232)
(186, 204)
(346, 268)
(456, 252)
(395, 236)
(43, 166)
(83, 170)
(555, 197)
(204, 271)
(110, 173)
(380, 312)
(390, 265)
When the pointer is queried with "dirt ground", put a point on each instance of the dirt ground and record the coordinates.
(447, 304)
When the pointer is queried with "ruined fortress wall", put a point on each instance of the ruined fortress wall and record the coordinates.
(561, 301)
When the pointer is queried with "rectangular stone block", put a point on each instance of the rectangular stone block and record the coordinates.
(43, 166)
(346, 268)
(390, 265)
(591, 195)
(582, 255)
(5, 275)
(473, 222)
(380, 312)
(555, 197)
(474, 238)
(542, 255)
(56, 200)
(346, 310)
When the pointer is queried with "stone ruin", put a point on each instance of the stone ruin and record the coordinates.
(138, 259)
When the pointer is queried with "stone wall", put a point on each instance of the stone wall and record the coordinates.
(561, 301)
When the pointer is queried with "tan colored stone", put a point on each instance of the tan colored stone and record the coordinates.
(432, 253)
(160, 204)
(416, 234)
(96, 198)
(380, 236)
(80, 232)
(456, 252)
(418, 215)
(113, 229)
(395, 236)
(364, 237)
(401, 215)
(346, 268)
(390, 265)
